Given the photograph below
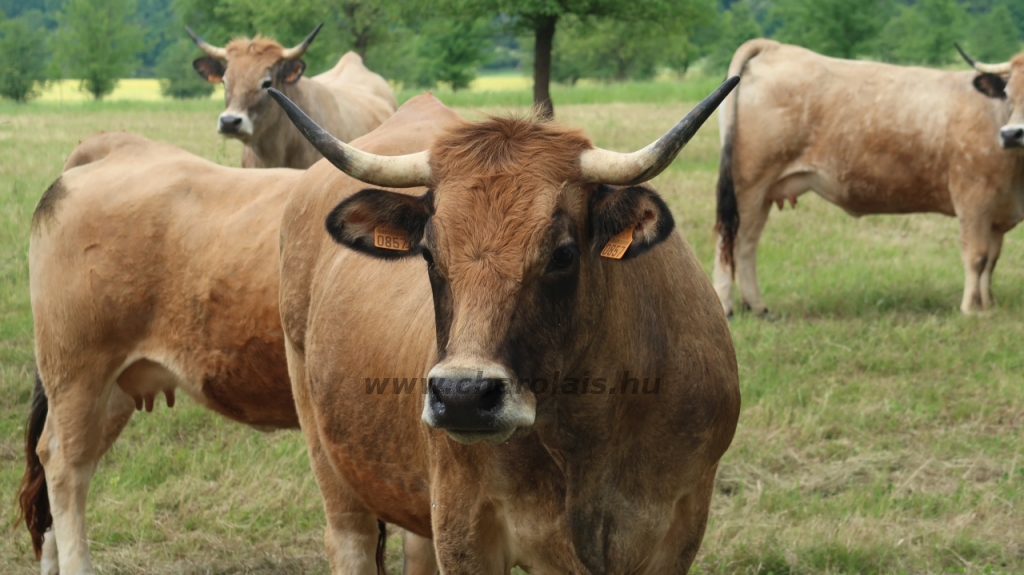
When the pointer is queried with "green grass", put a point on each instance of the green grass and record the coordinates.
(882, 432)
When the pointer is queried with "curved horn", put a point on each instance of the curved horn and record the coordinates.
(209, 49)
(406, 171)
(298, 51)
(1001, 69)
(607, 167)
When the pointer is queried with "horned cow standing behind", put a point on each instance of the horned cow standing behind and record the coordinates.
(348, 97)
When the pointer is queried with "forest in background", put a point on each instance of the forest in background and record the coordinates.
(421, 43)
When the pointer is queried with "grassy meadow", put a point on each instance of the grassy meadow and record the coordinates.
(881, 432)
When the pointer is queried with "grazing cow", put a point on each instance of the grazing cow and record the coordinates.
(150, 269)
(871, 138)
(575, 405)
(349, 98)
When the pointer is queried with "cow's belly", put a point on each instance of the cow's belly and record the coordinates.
(249, 385)
(863, 193)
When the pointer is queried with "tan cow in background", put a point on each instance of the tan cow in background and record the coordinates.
(516, 264)
(349, 97)
(151, 270)
(871, 138)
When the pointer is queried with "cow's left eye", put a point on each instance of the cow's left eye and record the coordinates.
(266, 84)
(562, 258)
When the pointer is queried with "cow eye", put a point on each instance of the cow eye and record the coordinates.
(429, 257)
(266, 84)
(562, 258)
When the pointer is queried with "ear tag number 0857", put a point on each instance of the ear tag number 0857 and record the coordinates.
(388, 238)
(618, 244)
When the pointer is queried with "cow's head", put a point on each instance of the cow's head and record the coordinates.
(512, 228)
(1003, 81)
(248, 68)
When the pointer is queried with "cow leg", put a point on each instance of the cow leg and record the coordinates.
(676, 552)
(723, 278)
(995, 246)
(80, 427)
(419, 555)
(351, 534)
(975, 245)
(752, 221)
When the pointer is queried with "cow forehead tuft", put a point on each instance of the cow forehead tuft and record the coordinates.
(509, 145)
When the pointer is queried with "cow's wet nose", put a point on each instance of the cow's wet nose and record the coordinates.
(465, 403)
(1012, 136)
(230, 123)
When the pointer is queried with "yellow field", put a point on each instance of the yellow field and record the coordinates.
(148, 89)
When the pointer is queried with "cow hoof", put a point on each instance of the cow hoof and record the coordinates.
(763, 313)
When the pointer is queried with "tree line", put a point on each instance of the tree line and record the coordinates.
(423, 43)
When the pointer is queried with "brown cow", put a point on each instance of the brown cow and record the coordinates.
(576, 406)
(871, 138)
(150, 269)
(349, 98)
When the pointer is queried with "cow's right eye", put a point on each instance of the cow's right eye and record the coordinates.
(562, 258)
(266, 84)
(429, 257)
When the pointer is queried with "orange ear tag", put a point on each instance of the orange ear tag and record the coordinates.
(617, 245)
(389, 238)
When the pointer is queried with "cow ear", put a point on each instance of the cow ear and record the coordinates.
(626, 222)
(382, 224)
(209, 68)
(291, 71)
(992, 85)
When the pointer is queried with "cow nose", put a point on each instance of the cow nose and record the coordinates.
(1012, 136)
(465, 401)
(230, 123)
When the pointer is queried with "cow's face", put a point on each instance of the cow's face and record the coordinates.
(1005, 82)
(511, 239)
(252, 67)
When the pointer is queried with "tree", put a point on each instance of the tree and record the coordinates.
(613, 50)
(98, 43)
(451, 52)
(177, 77)
(923, 33)
(540, 18)
(734, 27)
(840, 28)
(994, 37)
(22, 59)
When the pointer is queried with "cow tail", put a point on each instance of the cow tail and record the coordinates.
(727, 222)
(382, 541)
(32, 496)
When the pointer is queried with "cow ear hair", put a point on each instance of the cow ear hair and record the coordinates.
(382, 224)
(615, 210)
(992, 85)
(210, 69)
(291, 71)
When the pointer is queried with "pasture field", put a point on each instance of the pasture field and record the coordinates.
(881, 432)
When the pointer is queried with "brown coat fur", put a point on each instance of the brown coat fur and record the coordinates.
(150, 269)
(871, 138)
(602, 482)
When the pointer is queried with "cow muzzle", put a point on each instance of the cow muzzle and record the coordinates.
(234, 124)
(1012, 136)
(478, 403)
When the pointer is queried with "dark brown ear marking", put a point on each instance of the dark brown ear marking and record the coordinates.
(382, 224)
(291, 71)
(992, 85)
(615, 210)
(209, 68)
